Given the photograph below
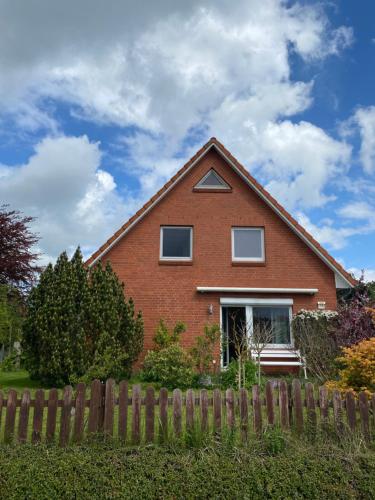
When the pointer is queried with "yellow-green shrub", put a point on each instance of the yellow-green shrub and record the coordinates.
(358, 368)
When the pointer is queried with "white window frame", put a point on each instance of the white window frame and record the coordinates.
(186, 259)
(248, 259)
(248, 304)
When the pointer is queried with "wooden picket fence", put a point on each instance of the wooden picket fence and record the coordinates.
(119, 413)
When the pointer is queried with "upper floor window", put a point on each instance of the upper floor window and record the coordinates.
(248, 244)
(176, 243)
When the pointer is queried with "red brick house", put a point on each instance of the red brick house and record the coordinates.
(212, 242)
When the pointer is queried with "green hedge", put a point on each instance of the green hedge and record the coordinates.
(111, 471)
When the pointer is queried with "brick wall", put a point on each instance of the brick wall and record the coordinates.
(169, 291)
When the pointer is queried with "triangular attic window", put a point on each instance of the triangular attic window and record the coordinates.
(212, 180)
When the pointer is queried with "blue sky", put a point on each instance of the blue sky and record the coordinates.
(101, 103)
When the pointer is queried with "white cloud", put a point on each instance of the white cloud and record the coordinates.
(357, 210)
(365, 120)
(62, 184)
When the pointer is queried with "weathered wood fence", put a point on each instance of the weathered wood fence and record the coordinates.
(118, 412)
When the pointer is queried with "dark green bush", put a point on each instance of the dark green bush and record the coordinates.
(229, 376)
(109, 471)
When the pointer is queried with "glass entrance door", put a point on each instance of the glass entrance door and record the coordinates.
(233, 328)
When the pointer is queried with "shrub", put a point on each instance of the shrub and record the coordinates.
(164, 338)
(313, 337)
(171, 367)
(354, 320)
(78, 323)
(203, 350)
(358, 368)
(229, 376)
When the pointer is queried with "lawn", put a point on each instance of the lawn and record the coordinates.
(18, 380)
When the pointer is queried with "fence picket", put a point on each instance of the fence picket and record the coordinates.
(204, 410)
(364, 414)
(297, 405)
(244, 415)
(177, 412)
(229, 401)
(163, 413)
(217, 411)
(270, 403)
(350, 410)
(109, 407)
(190, 410)
(24, 417)
(79, 417)
(310, 404)
(284, 406)
(323, 405)
(1, 406)
(136, 414)
(51, 415)
(10, 418)
(337, 411)
(257, 409)
(38, 416)
(123, 410)
(372, 408)
(150, 414)
(95, 398)
(65, 416)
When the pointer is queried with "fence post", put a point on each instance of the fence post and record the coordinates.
(364, 413)
(123, 410)
(10, 417)
(136, 411)
(163, 414)
(217, 411)
(284, 407)
(350, 410)
(150, 414)
(204, 410)
(109, 407)
(337, 410)
(95, 398)
(297, 405)
(65, 416)
(1, 405)
(24, 417)
(38, 416)
(244, 414)
(189, 410)
(270, 403)
(51, 415)
(177, 412)
(229, 401)
(257, 409)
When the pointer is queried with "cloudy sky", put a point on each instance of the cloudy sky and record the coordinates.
(101, 102)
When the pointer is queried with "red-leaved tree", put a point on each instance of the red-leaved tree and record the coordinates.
(18, 261)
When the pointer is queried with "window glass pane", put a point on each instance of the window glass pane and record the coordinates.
(213, 180)
(247, 243)
(176, 242)
(276, 319)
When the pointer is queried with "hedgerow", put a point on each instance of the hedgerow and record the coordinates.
(110, 471)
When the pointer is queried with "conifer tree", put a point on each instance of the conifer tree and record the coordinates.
(80, 324)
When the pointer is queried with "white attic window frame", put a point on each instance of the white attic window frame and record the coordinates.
(220, 185)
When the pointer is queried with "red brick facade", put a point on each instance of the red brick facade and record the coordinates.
(168, 290)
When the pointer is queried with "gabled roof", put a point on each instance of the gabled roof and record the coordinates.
(342, 276)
